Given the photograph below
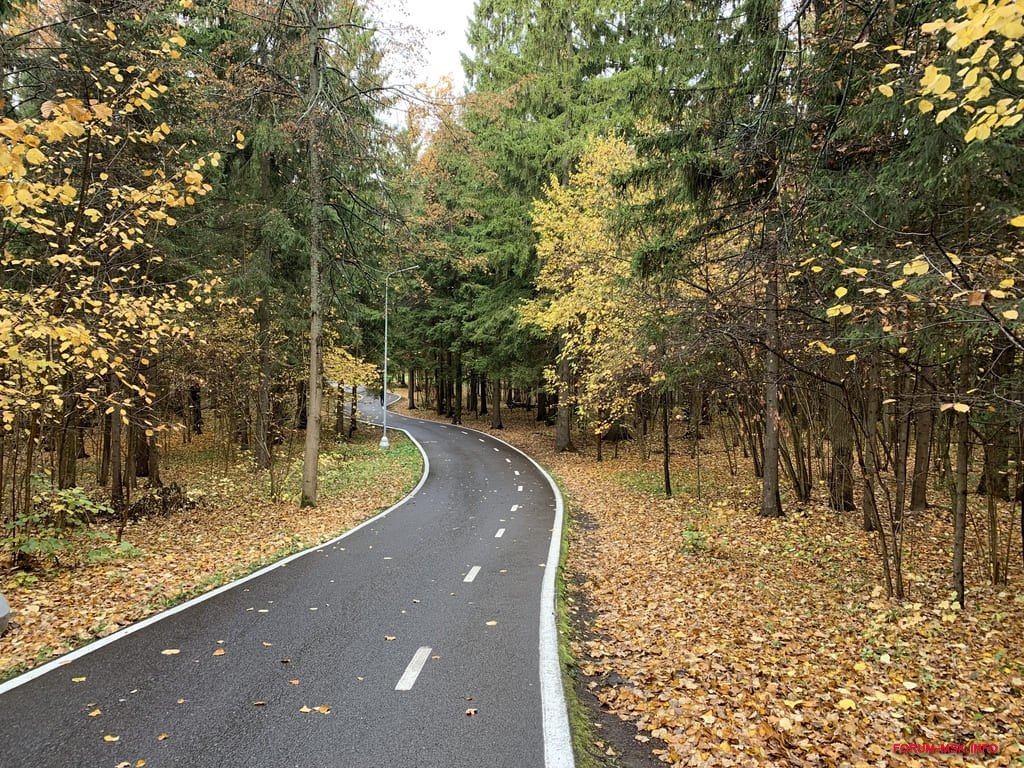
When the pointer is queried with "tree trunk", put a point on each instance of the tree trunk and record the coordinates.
(771, 504)
(923, 428)
(195, 409)
(311, 455)
(563, 416)
(264, 418)
(117, 500)
(840, 428)
(483, 394)
(666, 464)
(154, 462)
(457, 397)
(542, 404)
(962, 429)
(352, 426)
(412, 389)
(496, 399)
(472, 394)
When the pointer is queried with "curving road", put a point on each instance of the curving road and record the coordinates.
(412, 641)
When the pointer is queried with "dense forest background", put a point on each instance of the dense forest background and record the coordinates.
(793, 224)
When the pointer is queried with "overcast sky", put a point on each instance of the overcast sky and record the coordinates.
(438, 27)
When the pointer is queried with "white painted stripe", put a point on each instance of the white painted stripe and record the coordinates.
(514, 508)
(555, 715)
(509, 460)
(67, 658)
(497, 450)
(472, 574)
(500, 533)
(480, 439)
(519, 489)
(516, 471)
(408, 678)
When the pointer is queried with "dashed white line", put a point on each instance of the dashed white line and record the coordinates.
(519, 489)
(514, 508)
(408, 678)
(516, 471)
(472, 574)
(497, 450)
(500, 533)
(480, 439)
(508, 460)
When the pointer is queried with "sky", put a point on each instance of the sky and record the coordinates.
(439, 28)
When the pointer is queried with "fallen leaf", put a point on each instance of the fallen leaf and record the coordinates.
(96, 713)
(389, 637)
(111, 739)
(259, 703)
(268, 645)
(171, 651)
(219, 652)
(163, 737)
(182, 701)
(304, 709)
(492, 623)
(846, 704)
(471, 711)
(78, 679)
(324, 709)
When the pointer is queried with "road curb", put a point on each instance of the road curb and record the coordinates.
(555, 711)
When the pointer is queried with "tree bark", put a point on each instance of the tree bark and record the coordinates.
(412, 389)
(311, 455)
(666, 463)
(457, 397)
(923, 428)
(483, 395)
(496, 399)
(840, 475)
(962, 429)
(264, 418)
(563, 415)
(771, 504)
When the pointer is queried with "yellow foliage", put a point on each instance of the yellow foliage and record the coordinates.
(588, 295)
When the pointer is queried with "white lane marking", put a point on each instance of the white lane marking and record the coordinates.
(516, 471)
(480, 439)
(519, 488)
(408, 678)
(509, 460)
(497, 450)
(514, 508)
(131, 629)
(463, 431)
(500, 533)
(472, 574)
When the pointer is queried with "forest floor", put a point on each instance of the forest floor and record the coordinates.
(229, 527)
(729, 639)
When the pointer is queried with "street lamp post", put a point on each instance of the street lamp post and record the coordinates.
(384, 444)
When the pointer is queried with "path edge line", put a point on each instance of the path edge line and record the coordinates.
(131, 629)
(554, 708)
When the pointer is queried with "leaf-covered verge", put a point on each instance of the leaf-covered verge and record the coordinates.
(232, 529)
(731, 639)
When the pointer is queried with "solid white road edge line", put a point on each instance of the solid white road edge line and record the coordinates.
(408, 678)
(472, 574)
(554, 711)
(131, 629)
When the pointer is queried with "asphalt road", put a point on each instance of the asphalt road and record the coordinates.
(412, 642)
